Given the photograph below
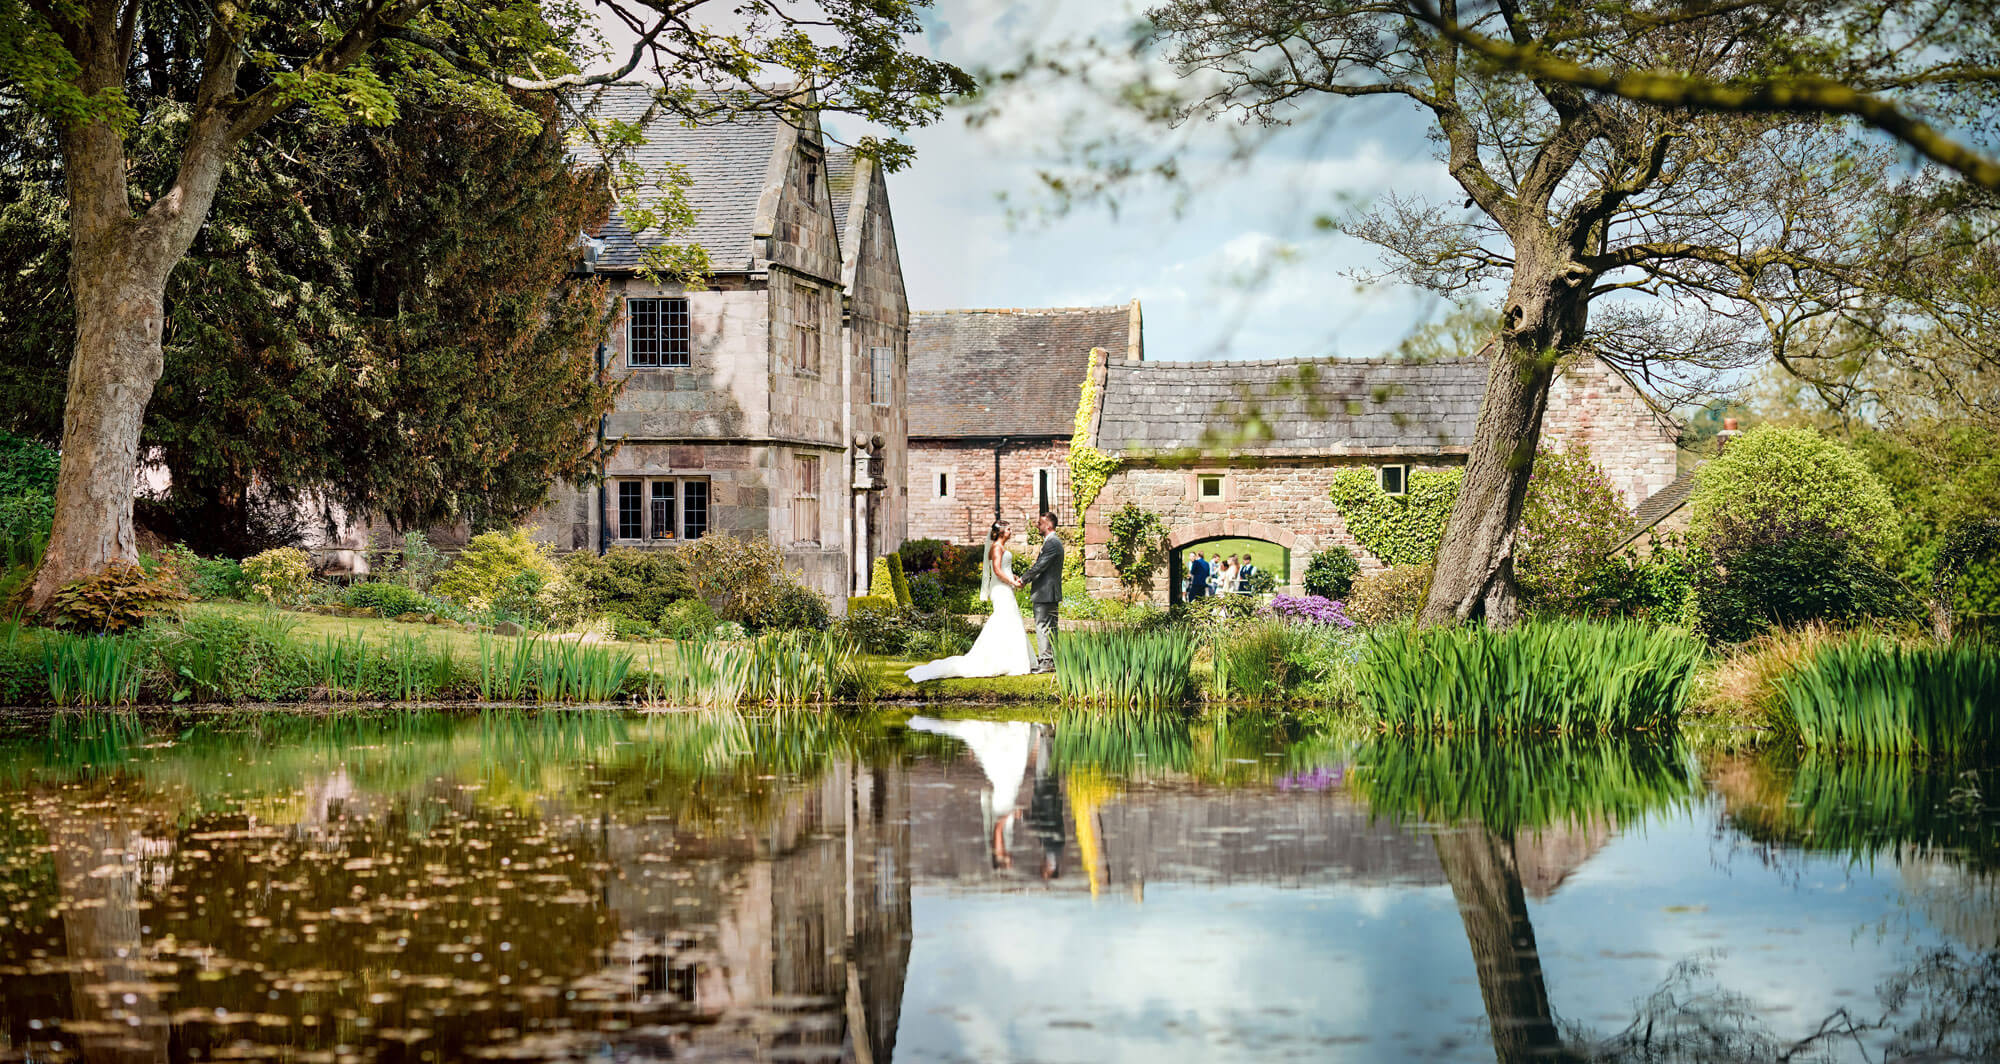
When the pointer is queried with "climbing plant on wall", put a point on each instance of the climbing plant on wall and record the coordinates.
(1089, 468)
(1399, 529)
(1137, 547)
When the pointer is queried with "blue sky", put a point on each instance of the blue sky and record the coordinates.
(1230, 265)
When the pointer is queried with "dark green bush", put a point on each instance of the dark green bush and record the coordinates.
(922, 555)
(790, 606)
(1790, 575)
(630, 582)
(899, 581)
(1331, 572)
(927, 592)
(227, 659)
(389, 600)
(874, 624)
(624, 627)
(1658, 588)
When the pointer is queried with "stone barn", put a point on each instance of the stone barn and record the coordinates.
(992, 408)
(1249, 449)
(769, 402)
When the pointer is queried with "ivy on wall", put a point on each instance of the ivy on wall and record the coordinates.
(1137, 547)
(1089, 468)
(1399, 529)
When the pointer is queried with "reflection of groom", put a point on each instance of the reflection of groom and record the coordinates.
(1045, 581)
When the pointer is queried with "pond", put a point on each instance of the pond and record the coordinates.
(568, 885)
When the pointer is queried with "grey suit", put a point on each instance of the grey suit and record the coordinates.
(1044, 581)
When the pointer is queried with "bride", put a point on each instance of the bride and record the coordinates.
(1002, 646)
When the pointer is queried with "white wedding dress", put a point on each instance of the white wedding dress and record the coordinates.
(1002, 647)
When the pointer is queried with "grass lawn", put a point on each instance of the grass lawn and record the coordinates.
(1266, 556)
(891, 683)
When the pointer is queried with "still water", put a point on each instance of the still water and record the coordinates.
(586, 885)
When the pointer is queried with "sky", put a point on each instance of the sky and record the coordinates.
(1228, 265)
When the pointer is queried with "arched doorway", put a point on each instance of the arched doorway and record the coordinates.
(1269, 546)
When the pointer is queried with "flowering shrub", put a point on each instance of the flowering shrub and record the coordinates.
(1311, 609)
(281, 575)
(1570, 522)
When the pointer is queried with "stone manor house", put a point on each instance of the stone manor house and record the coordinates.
(772, 402)
(797, 397)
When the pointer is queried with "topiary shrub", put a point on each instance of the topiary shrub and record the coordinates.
(626, 628)
(388, 600)
(690, 618)
(898, 582)
(1795, 528)
(1389, 595)
(1331, 572)
(1137, 547)
(879, 584)
(1572, 520)
(1398, 529)
(281, 576)
(1773, 481)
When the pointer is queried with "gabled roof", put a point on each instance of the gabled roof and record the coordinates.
(1007, 372)
(1293, 406)
(727, 162)
(840, 187)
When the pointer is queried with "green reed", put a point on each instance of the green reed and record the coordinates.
(802, 668)
(710, 673)
(1126, 668)
(1869, 694)
(340, 664)
(505, 669)
(1565, 677)
(102, 670)
(1509, 785)
(570, 671)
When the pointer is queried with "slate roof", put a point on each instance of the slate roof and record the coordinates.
(983, 373)
(1662, 503)
(1293, 406)
(725, 160)
(840, 187)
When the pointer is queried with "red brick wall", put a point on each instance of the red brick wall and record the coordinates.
(964, 516)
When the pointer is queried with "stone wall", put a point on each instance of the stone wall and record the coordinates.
(1594, 405)
(878, 315)
(1283, 501)
(965, 514)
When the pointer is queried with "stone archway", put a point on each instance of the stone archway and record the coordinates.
(1229, 528)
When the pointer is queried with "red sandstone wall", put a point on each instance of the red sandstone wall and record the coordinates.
(1591, 404)
(965, 515)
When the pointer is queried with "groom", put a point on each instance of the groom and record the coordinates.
(1045, 579)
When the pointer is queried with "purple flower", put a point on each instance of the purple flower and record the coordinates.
(1310, 609)
(1319, 779)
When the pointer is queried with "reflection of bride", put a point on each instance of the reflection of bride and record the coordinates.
(1002, 646)
(1001, 747)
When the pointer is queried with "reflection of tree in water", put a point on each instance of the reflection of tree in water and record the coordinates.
(1488, 798)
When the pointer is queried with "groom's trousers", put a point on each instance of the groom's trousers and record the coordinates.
(1045, 635)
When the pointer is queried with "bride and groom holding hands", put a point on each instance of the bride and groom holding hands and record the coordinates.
(1002, 646)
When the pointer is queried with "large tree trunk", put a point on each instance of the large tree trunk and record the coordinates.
(1547, 308)
(1487, 886)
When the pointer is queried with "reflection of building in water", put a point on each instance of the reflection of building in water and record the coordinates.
(1958, 901)
(797, 936)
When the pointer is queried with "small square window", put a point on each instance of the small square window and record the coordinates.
(657, 333)
(1209, 488)
(1395, 479)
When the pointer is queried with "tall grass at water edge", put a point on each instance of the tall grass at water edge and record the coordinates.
(93, 670)
(1872, 695)
(709, 673)
(784, 669)
(1564, 677)
(1126, 668)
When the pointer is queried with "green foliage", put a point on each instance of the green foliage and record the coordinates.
(1568, 677)
(1657, 589)
(1573, 518)
(497, 569)
(927, 592)
(1398, 529)
(1389, 595)
(27, 486)
(1331, 572)
(688, 618)
(1137, 547)
(388, 600)
(1868, 694)
(898, 581)
(1796, 576)
(796, 668)
(281, 575)
(1125, 668)
(874, 623)
(789, 606)
(631, 582)
(212, 658)
(1942, 477)
(414, 563)
(1773, 479)
(206, 578)
(737, 576)
(879, 583)
(118, 597)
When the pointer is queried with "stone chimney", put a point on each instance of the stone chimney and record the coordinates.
(1135, 340)
(1728, 433)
